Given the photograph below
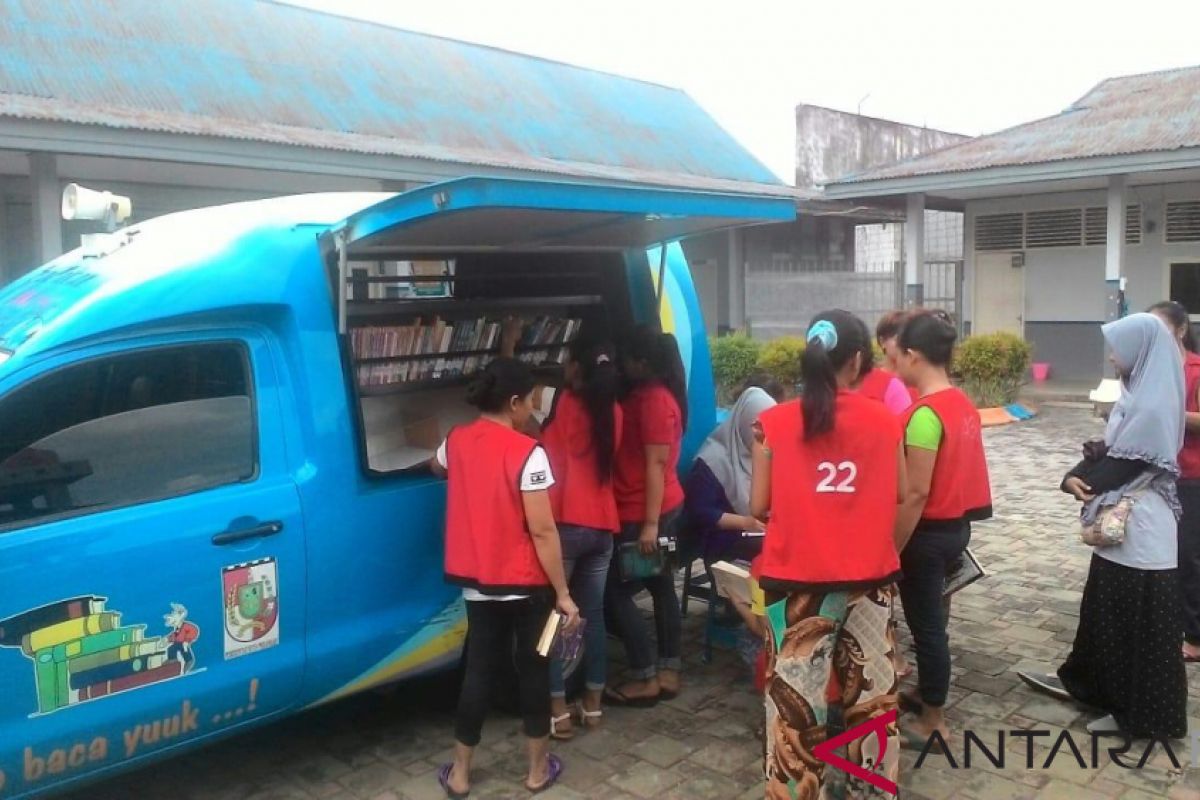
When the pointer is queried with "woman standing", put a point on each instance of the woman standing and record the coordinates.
(581, 435)
(717, 488)
(1178, 319)
(948, 489)
(1125, 659)
(502, 547)
(882, 383)
(828, 470)
(649, 502)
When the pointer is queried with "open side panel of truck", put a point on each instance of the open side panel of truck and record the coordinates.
(423, 280)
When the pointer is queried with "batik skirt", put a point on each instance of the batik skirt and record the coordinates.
(830, 669)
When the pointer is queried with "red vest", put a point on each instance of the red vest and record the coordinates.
(651, 417)
(579, 496)
(488, 546)
(875, 385)
(1189, 456)
(833, 498)
(960, 489)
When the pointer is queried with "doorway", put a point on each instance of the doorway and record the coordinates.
(999, 295)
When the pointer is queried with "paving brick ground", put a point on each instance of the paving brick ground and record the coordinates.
(702, 745)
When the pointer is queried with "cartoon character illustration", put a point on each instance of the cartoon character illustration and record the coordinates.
(251, 600)
(81, 651)
(183, 634)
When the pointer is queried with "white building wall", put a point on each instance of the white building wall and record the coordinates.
(1065, 291)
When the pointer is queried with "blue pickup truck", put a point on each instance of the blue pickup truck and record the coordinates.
(213, 425)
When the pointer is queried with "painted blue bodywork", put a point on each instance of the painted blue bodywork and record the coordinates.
(360, 593)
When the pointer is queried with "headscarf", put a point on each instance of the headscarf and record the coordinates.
(1147, 422)
(727, 449)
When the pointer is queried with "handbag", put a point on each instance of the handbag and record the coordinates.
(1111, 523)
(634, 565)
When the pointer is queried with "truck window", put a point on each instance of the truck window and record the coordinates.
(125, 429)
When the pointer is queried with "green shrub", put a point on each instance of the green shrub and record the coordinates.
(733, 357)
(992, 367)
(780, 358)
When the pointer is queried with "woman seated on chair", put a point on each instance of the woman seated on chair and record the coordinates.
(717, 489)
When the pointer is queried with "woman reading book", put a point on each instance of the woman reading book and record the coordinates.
(502, 547)
(717, 487)
(828, 471)
(649, 503)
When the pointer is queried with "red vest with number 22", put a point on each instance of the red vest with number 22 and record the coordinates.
(833, 498)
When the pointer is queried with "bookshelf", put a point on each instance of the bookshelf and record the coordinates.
(415, 344)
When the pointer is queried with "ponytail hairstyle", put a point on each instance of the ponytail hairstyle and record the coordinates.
(598, 373)
(1180, 320)
(833, 339)
(501, 381)
(660, 353)
(930, 333)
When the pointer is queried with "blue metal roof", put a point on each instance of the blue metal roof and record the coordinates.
(270, 72)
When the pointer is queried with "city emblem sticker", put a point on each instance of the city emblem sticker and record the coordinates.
(250, 594)
(81, 651)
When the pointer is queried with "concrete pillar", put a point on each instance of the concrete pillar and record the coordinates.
(737, 281)
(5, 246)
(914, 250)
(47, 206)
(1114, 254)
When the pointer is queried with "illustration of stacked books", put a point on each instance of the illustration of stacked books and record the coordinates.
(80, 651)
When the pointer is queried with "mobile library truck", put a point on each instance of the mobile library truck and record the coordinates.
(214, 426)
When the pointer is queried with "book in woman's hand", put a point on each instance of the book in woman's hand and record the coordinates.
(559, 641)
(965, 571)
(732, 580)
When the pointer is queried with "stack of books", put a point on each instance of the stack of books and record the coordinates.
(80, 652)
(426, 350)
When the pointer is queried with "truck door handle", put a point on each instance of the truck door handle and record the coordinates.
(257, 532)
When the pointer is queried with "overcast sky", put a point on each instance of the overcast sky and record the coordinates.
(966, 67)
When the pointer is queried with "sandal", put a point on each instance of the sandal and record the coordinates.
(614, 697)
(444, 782)
(563, 735)
(589, 719)
(554, 771)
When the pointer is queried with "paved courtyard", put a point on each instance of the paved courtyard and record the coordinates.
(387, 746)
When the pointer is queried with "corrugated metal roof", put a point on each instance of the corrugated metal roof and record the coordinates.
(1153, 112)
(270, 72)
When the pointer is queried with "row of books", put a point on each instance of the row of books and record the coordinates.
(411, 371)
(440, 340)
(81, 651)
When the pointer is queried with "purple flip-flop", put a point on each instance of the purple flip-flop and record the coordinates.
(554, 771)
(444, 782)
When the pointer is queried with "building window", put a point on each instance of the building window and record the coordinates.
(1056, 228)
(1133, 225)
(126, 429)
(1000, 231)
(1185, 285)
(1183, 221)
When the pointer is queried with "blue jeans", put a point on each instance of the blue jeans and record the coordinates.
(586, 556)
(627, 617)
